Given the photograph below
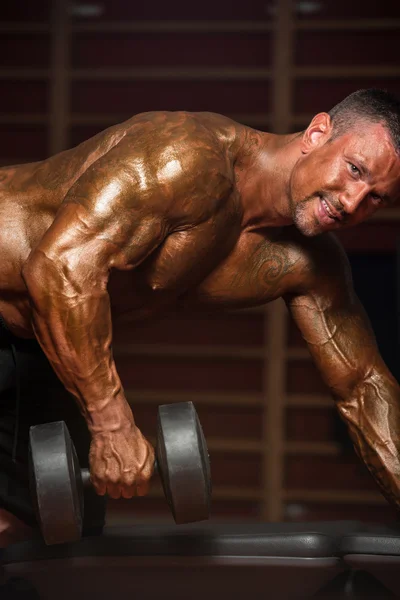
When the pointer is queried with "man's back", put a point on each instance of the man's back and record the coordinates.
(180, 157)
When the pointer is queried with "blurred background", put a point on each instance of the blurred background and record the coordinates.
(70, 69)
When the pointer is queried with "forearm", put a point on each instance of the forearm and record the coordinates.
(372, 414)
(72, 323)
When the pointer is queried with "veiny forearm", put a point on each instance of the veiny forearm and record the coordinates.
(72, 322)
(372, 413)
(341, 341)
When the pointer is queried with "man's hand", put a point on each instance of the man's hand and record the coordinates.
(121, 462)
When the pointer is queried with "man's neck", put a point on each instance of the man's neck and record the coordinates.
(263, 170)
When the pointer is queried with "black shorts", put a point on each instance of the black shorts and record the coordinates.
(31, 393)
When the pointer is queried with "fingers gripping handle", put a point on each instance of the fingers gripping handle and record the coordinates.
(86, 481)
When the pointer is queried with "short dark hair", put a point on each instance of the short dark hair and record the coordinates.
(373, 105)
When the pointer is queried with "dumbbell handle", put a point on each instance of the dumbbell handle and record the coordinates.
(85, 474)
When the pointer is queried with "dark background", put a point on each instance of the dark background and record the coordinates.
(69, 70)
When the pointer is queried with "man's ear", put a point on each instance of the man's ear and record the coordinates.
(317, 133)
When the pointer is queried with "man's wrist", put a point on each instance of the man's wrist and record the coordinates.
(110, 415)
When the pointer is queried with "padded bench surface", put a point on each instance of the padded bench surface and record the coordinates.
(300, 540)
(279, 561)
(376, 552)
(383, 540)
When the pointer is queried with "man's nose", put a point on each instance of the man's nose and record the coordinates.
(351, 199)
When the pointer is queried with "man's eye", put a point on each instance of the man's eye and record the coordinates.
(376, 198)
(355, 170)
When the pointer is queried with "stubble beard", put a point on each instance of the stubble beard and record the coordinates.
(304, 219)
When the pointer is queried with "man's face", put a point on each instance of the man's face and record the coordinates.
(340, 182)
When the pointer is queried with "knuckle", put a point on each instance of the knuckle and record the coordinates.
(128, 480)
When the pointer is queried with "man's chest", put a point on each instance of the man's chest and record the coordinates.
(256, 270)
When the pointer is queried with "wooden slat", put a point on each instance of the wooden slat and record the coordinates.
(236, 26)
(314, 496)
(282, 68)
(23, 119)
(59, 92)
(21, 28)
(227, 446)
(309, 400)
(334, 497)
(168, 73)
(196, 351)
(298, 354)
(357, 72)
(186, 351)
(236, 493)
(109, 119)
(257, 310)
(233, 446)
(313, 448)
(218, 492)
(209, 398)
(173, 26)
(252, 446)
(274, 402)
(24, 73)
(301, 119)
(273, 423)
(346, 25)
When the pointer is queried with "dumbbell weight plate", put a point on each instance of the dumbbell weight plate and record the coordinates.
(183, 462)
(56, 483)
(56, 479)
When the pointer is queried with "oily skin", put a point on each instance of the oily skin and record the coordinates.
(195, 210)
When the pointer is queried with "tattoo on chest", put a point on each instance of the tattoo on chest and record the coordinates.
(266, 268)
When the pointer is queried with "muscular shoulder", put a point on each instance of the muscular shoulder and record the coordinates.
(322, 266)
(182, 153)
(173, 162)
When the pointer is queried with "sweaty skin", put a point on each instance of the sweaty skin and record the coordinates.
(194, 210)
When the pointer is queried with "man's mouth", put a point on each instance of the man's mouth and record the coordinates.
(332, 214)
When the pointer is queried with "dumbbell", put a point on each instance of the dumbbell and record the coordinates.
(57, 482)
